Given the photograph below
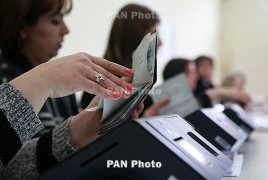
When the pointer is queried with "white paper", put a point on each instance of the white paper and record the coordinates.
(236, 168)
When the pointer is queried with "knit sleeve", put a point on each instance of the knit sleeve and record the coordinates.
(18, 122)
(53, 147)
(21, 158)
(39, 154)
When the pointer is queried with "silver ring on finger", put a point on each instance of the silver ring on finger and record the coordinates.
(99, 77)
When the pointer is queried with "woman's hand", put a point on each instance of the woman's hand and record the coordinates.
(66, 75)
(80, 74)
(84, 127)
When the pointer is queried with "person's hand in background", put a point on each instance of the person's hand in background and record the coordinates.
(153, 110)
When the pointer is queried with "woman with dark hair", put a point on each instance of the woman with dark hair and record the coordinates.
(127, 33)
(32, 32)
(125, 36)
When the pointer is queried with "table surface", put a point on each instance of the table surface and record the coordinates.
(255, 150)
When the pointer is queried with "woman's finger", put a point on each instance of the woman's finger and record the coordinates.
(127, 79)
(110, 81)
(94, 88)
(106, 83)
(111, 66)
(135, 114)
(137, 111)
(140, 107)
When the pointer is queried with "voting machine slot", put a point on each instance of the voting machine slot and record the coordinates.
(199, 141)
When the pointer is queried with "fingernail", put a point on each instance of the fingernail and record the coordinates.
(130, 87)
(127, 93)
(130, 71)
(116, 95)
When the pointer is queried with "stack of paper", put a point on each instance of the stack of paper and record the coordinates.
(144, 66)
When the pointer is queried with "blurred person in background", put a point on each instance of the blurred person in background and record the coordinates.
(204, 68)
(205, 98)
(235, 79)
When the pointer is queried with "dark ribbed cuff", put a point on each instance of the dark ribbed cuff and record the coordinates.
(19, 113)
(53, 147)
(44, 156)
(18, 122)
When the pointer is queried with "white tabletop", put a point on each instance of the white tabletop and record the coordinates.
(255, 150)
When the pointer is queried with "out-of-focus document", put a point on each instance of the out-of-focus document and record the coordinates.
(182, 100)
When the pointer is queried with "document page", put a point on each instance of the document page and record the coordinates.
(182, 100)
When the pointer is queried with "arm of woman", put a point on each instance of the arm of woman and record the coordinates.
(39, 154)
(42, 153)
(24, 96)
(18, 123)
(227, 94)
(21, 158)
(64, 76)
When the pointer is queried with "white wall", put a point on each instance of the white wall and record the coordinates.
(234, 32)
(188, 27)
(244, 41)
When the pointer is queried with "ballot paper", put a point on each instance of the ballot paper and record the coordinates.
(144, 66)
(236, 168)
(182, 100)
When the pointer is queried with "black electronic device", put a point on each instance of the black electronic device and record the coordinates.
(217, 128)
(240, 117)
(162, 147)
